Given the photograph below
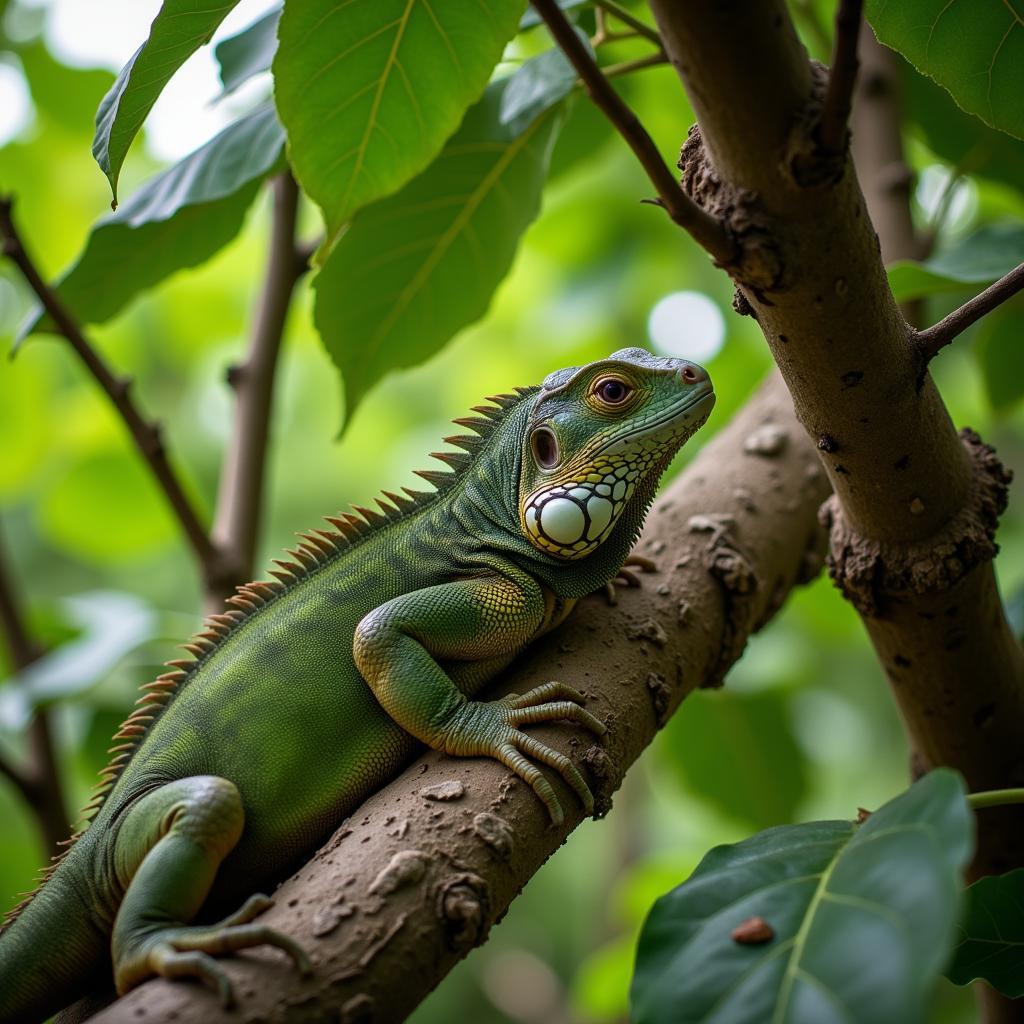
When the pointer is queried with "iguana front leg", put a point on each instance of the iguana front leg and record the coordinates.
(397, 647)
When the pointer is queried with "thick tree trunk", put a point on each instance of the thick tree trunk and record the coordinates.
(414, 880)
(915, 505)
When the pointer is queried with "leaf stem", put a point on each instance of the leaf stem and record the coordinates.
(995, 798)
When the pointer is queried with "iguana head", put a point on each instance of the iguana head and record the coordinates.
(595, 433)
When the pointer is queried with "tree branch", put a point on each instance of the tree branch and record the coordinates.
(833, 134)
(621, 14)
(240, 495)
(705, 229)
(932, 340)
(412, 882)
(915, 506)
(39, 781)
(145, 434)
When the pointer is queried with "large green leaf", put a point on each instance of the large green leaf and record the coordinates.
(957, 137)
(368, 92)
(1000, 355)
(417, 267)
(974, 50)
(177, 219)
(178, 30)
(862, 918)
(767, 778)
(991, 935)
(248, 52)
(979, 259)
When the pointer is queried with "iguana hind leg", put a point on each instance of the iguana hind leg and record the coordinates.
(483, 620)
(166, 854)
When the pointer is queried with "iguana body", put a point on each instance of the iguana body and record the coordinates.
(318, 688)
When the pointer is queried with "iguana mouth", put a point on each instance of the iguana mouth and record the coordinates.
(701, 403)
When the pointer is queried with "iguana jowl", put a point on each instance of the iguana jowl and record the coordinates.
(317, 688)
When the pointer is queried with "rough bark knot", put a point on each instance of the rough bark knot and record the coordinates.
(868, 571)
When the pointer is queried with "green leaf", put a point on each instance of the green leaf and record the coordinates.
(974, 50)
(368, 92)
(248, 52)
(415, 268)
(980, 259)
(68, 96)
(1000, 355)
(178, 30)
(177, 219)
(767, 777)
(957, 137)
(863, 919)
(991, 935)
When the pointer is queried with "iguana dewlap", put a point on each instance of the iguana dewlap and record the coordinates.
(316, 688)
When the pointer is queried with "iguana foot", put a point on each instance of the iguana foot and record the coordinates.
(493, 729)
(187, 951)
(626, 578)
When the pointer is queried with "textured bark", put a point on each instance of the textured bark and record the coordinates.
(915, 507)
(414, 880)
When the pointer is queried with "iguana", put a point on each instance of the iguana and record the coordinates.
(319, 686)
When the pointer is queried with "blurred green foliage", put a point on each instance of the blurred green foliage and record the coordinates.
(80, 514)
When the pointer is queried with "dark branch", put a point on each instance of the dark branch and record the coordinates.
(240, 498)
(704, 228)
(835, 113)
(145, 434)
(931, 340)
(39, 781)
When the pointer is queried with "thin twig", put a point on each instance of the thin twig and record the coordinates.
(621, 14)
(628, 66)
(938, 336)
(39, 781)
(145, 434)
(704, 228)
(240, 495)
(835, 112)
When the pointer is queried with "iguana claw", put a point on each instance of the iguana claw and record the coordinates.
(501, 721)
(188, 951)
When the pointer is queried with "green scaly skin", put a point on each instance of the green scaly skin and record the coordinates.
(317, 690)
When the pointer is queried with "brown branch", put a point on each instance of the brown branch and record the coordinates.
(39, 780)
(705, 229)
(621, 14)
(933, 339)
(144, 433)
(240, 495)
(732, 534)
(833, 133)
(915, 506)
(628, 66)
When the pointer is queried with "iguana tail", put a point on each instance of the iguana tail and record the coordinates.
(50, 954)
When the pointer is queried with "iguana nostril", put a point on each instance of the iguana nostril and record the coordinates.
(691, 374)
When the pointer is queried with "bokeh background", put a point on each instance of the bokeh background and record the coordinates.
(805, 727)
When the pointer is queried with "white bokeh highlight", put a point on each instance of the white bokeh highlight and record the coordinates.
(16, 111)
(687, 325)
(105, 33)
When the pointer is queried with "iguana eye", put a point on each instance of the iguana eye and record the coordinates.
(612, 391)
(545, 448)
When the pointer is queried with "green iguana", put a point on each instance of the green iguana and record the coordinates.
(315, 689)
